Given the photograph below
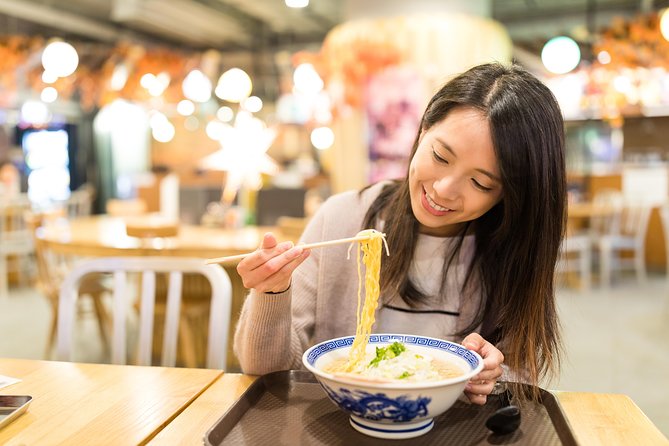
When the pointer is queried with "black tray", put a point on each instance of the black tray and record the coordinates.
(290, 408)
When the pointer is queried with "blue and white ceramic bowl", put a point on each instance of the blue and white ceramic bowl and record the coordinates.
(393, 410)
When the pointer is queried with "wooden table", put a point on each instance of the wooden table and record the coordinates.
(595, 419)
(126, 405)
(104, 235)
(98, 404)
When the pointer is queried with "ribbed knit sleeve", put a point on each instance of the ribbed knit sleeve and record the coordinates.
(274, 330)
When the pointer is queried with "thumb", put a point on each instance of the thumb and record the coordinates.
(473, 341)
(268, 241)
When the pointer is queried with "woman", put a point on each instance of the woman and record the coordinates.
(473, 231)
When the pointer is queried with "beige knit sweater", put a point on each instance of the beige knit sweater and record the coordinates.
(275, 329)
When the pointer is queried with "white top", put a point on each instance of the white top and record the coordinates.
(438, 316)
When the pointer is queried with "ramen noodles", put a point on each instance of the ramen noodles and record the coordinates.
(393, 362)
(372, 249)
(397, 362)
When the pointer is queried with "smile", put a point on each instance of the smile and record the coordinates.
(432, 207)
(435, 205)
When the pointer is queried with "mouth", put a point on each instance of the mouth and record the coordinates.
(432, 207)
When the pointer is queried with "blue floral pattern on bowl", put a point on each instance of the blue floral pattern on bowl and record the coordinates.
(378, 406)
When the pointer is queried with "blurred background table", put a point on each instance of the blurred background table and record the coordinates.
(103, 235)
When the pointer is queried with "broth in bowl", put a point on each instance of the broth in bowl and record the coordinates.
(396, 362)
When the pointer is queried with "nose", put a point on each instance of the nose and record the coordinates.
(448, 187)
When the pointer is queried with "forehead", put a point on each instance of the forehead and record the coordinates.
(466, 133)
(459, 116)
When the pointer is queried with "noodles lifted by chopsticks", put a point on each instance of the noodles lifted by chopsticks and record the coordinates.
(372, 249)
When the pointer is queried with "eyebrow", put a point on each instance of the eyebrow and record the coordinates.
(487, 173)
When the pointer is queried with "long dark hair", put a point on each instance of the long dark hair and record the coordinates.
(518, 240)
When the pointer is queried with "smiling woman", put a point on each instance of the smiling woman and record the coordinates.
(454, 177)
(474, 231)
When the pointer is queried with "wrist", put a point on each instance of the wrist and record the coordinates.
(278, 292)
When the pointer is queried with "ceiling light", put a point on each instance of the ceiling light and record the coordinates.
(225, 114)
(48, 77)
(322, 137)
(60, 58)
(234, 85)
(35, 112)
(185, 107)
(196, 86)
(119, 77)
(252, 104)
(306, 79)
(664, 24)
(603, 57)
(560, 55)
(49, 94)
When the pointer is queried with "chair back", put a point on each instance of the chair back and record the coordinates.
(634, 220)
(15, 236)
(608, 224)
(575, 255)
(147, 267)
(80, 202)
(47, 280)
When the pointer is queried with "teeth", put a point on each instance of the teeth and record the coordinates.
(435, 205)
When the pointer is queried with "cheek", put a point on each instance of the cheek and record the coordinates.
(412, 169)
(486, 204)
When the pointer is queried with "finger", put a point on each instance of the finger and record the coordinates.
(492, 357)
(264, 274)
(262, 256)
(278, 262)
(489, 375)
(480, 387)
(473, 341)
(476, 398)
(268, 241)
(280, 281)
(250, 269)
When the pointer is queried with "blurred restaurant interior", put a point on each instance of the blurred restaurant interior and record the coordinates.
(188, 128)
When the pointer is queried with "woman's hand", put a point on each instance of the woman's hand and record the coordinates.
(271, 266)
(480, 386)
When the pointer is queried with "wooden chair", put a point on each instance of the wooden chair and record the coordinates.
(51, 270)
(16, 241)
(80, 202)
(148, 267)
(628, 236)
(576, 255)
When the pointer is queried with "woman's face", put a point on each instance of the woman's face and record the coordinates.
(454, 176)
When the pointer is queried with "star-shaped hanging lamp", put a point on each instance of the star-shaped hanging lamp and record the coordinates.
(243, 154)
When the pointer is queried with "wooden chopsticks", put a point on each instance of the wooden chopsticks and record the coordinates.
(357, 238)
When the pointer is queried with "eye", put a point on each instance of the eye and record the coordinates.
(438, 158)
(481, 186)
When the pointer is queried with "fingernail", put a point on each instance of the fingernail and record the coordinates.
(285, 245)
(294, 252)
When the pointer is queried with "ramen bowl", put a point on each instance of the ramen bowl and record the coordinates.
(396, 409)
